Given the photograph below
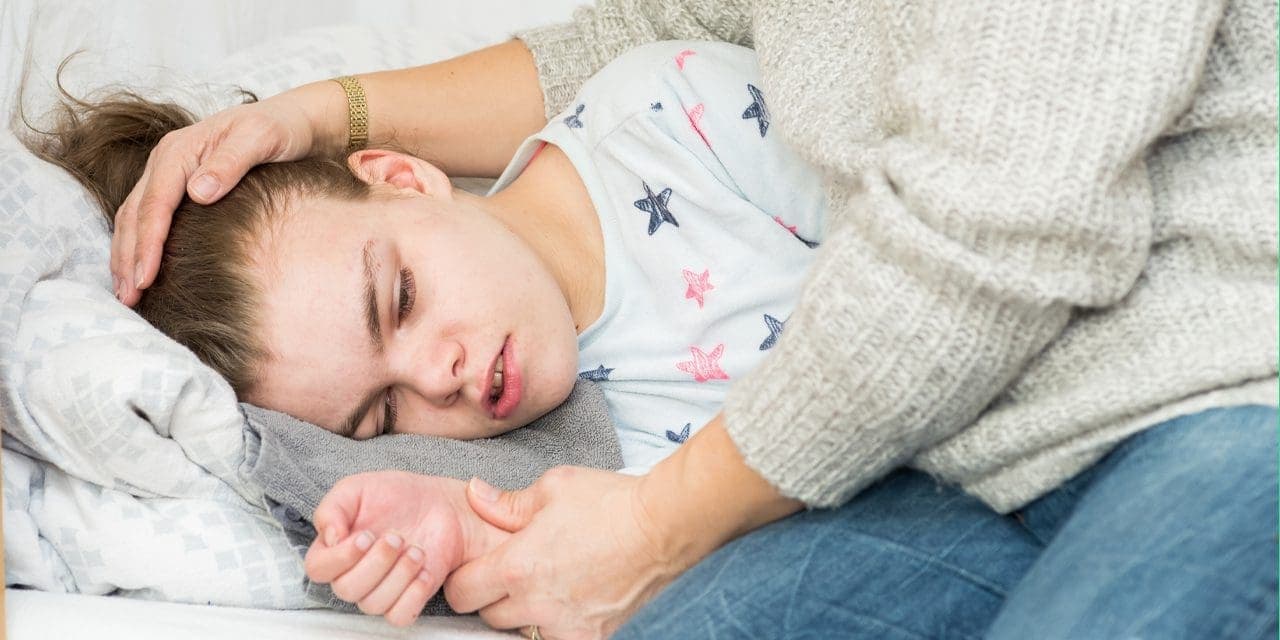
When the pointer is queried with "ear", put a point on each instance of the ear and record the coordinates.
(402, 171)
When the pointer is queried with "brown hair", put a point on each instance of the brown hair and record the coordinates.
(205, 295)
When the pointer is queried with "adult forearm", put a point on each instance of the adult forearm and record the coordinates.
(466, 114)
(705, 495)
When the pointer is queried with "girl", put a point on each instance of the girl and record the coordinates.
(653, 238)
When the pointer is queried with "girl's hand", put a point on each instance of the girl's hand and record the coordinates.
(386, 540)
(205, 159)
(384, 576)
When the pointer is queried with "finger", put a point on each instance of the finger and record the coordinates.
(331, 524)
(410, 604)
(507, 510)
(362, 579)
(325, 563)
(337, 511)
(383, 596)
(117, 279)
(162, 193)
(124, 216)
(123, 239)
(476, 584)
(122, 243)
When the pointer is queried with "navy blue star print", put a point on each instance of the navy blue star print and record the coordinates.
(775, 329)
(599, 374)
(757, 109)
(657, 106)
(679, 438)
(573, 121)
(656, 207)
(808, 243)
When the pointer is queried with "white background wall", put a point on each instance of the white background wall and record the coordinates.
(152, 41)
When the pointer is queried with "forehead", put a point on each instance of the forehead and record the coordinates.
(312, 317)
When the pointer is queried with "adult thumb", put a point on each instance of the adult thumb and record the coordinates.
(508, 510)
(205, 187)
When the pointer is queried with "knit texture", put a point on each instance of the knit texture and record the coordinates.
(1052, 225)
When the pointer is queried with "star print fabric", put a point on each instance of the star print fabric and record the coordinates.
(709, 225)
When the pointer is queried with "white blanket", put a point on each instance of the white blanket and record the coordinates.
(121, 452)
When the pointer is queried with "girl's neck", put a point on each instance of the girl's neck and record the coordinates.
(551, 210)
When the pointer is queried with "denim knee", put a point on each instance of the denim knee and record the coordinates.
(1172, 535)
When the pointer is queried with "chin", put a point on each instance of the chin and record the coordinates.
(554, 395)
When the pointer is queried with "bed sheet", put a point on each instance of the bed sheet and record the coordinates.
(39, 615)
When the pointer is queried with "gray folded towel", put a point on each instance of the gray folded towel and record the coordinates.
(296, 463)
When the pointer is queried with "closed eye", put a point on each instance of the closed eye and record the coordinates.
(408, 292)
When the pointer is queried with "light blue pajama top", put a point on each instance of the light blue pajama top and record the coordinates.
(709, 224)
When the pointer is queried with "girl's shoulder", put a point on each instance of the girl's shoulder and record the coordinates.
(657, 76)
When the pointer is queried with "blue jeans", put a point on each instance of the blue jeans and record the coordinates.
(1171, 535)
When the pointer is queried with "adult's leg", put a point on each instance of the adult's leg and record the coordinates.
(1172, 535)
(907, 558)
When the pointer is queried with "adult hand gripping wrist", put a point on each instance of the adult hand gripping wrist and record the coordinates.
(570, 570)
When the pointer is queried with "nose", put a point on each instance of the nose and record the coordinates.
(436, 372)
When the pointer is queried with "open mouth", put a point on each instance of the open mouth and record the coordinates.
(495, 387)
(504, 385)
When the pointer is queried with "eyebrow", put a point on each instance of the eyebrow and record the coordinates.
(374, 323)
(371, 297)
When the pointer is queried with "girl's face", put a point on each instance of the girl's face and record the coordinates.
(397, 315)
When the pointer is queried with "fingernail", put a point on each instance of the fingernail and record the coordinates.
(424, 576)
(415, 554)
(137, 276)
(204, 187)
(484, 490)
(115, 285)
(330, 537)
(394, 541)
(364, 541)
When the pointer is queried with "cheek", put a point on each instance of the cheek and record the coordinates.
(562, 365)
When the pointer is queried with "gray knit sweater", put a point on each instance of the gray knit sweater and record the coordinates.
(1052, 225)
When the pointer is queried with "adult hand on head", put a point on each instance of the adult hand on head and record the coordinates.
(206, 160)
(589, 548)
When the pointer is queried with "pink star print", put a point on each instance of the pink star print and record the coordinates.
(699, 285)
(704, 366)
(791, 228)
(695, 114)
(682, 55)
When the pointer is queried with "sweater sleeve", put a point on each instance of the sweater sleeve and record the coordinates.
(1004, 190)
(567, 54)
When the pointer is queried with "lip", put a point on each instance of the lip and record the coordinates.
(512, 386)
